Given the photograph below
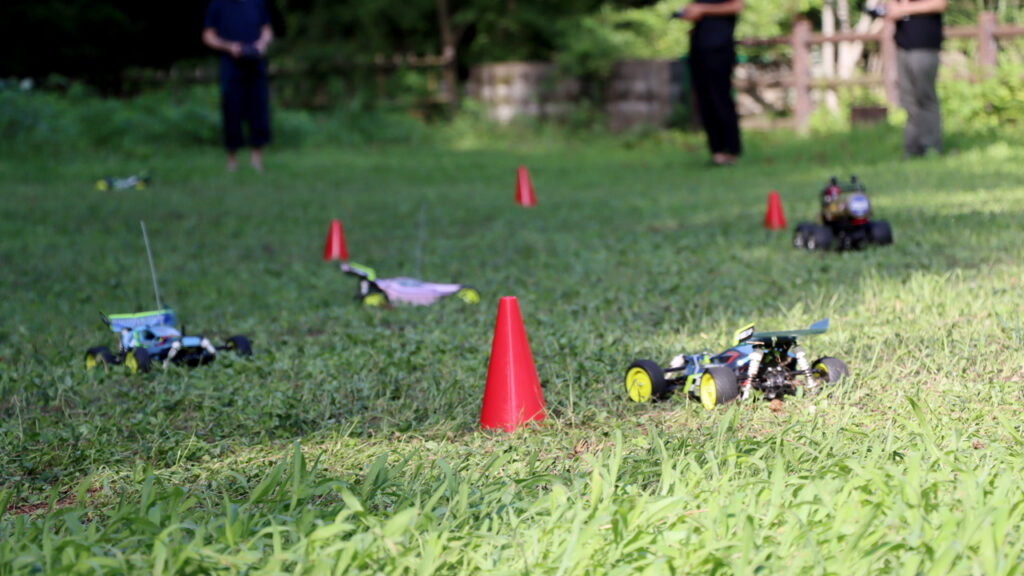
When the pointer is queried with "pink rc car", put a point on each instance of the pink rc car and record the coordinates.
(374, 291)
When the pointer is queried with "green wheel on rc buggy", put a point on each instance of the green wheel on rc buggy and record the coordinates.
(645, 381)
(718, 386)
(99, 356)
(829, 370)
(375, 300)
(468, 294)
(137, 360)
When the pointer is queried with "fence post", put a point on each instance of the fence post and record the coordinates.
(988, 49)
(801, 72)
(888, 52)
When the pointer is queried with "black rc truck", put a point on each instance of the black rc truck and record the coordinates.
(844, 222)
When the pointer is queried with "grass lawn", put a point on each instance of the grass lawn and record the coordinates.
(350, 441)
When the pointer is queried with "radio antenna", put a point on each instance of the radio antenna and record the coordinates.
(419, 243)
(152, 270)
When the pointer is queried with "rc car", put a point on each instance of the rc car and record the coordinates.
(844, 222)
(133, 182)
(374, 291)
(770, 362)
(149, 337)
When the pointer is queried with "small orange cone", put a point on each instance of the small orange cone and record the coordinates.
(774, 218)
(335, 248)
(512, 395)
(524, 189)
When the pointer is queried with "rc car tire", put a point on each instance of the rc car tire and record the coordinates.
(375, 299)
(803, 229)
(829, 370)
(645, 381)
(880, 232)
(99, 355)
(138, 360)
(240, 344)
(468, 294)
(819, 238)
(718, 386)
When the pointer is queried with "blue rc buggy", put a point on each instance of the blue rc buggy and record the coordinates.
(770, 362)
(149, 337)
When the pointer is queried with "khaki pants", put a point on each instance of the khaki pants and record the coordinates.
(917, 71)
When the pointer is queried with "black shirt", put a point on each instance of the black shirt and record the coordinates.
(713, 32)
(920, 31)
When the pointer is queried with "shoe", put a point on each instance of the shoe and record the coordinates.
(257, 161)
(722, 159)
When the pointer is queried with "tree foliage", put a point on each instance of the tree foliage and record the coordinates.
(97, 39)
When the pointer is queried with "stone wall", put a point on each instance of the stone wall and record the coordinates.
(515, 89)
(637, 92)
(642, 92)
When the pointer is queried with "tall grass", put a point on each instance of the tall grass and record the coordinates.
(349, 442)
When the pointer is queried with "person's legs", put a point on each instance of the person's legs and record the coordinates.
(711, 74)
(258, 112)
(929, 127)
(724, 107)
(700, 82)
(231, 111)
(907, 85)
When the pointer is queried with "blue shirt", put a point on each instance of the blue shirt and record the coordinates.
(237, 20)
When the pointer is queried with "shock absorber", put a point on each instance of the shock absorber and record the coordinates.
(804, 367)
(752, 368)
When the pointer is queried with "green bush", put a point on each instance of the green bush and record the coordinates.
(33, 121)
(969, 107)
(983, 105)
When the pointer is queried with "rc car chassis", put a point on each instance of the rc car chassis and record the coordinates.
(770, 362)
(844, 222)
(374, 291)
(150, 337)
(133, 182)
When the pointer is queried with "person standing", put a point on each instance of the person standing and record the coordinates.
(918, 40)
(241, 31)
(712, 57)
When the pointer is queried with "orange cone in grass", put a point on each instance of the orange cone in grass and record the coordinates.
(335, 248)
(512, 395)
(524, 189)
(774, 218)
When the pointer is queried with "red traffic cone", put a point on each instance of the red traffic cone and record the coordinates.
(512, 395)
(774, 218)
(335, 248)
(524, 189)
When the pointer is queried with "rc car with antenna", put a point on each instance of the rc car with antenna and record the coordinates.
(770, 362)
(152, 336)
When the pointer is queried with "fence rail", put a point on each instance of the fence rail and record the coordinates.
(379, 65)
(801, 38)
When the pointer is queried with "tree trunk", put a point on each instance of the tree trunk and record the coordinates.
(850, 52)
(449, 73)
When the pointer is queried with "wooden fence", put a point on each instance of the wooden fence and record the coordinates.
(987, 33)
(439, 70)
(638, 92)
(645, 92)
